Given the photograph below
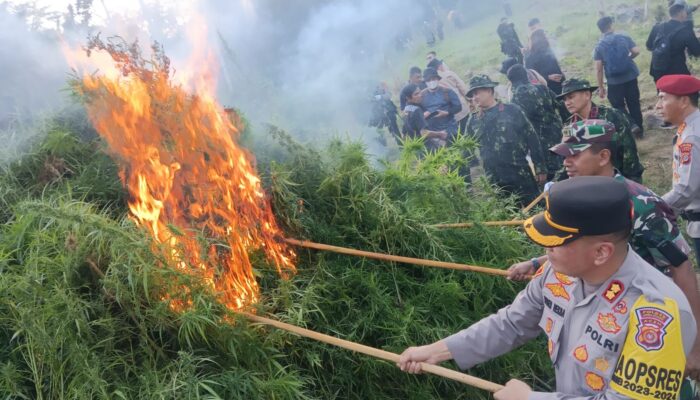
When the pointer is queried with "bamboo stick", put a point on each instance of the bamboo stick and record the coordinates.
(401, 259)
(515, 222)
(377, 353)
(534, 203)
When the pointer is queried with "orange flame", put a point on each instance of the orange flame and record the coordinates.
(186, 175)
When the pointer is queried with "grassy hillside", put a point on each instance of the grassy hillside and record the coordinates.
(572, 26)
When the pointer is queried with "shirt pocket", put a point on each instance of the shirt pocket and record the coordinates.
(552, 324)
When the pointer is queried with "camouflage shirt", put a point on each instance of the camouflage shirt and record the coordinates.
(505, 137)
(654, 224)
(540, 106)
(625, 157)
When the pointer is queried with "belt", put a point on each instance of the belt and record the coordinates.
(691, 216)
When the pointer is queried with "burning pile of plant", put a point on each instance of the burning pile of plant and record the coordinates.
(130, 291)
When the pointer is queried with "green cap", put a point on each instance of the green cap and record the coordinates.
(480, 81)
(581, 135)
(575, 85)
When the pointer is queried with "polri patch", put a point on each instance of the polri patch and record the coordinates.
(651, 328)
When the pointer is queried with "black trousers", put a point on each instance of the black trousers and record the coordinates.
(625, 97)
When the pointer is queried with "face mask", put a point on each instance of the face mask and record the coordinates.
(432, 84)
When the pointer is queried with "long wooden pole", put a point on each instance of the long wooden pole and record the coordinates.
(515, 222)
(533, 203)
(378, 353)
(401, 259)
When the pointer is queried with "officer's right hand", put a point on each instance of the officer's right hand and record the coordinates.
(521, 271)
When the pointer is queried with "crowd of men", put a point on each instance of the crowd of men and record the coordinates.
(616, 292)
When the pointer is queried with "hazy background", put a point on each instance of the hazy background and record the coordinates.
(308, 66)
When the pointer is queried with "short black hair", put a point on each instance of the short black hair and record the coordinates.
(434, 54)
(533, 22)
(676, 9)
(605, 23)
(694, 99)
(413, 71)
(598, 147)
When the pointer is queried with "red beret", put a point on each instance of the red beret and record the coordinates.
(679, 85)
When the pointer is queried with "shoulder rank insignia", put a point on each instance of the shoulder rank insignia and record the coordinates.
(613, 291)
(608, 323)
(558, 290)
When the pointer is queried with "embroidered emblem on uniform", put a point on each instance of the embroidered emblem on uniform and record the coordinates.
(621, 307)
(558, 290)
(608, 323)
(548, 326)
(595, 381)
(685, 149)
(651, 328)
(550, 346)
(601, 364)
(613, 291)
(539, 271)
(581, 353)
(565, 280)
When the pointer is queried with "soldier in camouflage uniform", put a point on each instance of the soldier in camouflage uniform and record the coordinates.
(540, 106)
(577, 95)
(505, 137)
(586, 148)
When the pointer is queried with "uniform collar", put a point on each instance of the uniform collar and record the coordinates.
(693, 117)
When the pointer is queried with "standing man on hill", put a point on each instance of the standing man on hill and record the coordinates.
(510, 42)
(669, 41)
(440, 105)
(505, 138)
(678, 104)
(614, 55)
(578, 99)
(540, 106)
(450, 80)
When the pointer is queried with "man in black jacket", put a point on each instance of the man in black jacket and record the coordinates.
(678, 34)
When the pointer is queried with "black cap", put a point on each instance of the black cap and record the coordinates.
(430, 73)
(581, 206)
(575, 85)
(434, 63)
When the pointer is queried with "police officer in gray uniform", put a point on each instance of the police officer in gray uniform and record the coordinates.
(616, 327)
(678, 104)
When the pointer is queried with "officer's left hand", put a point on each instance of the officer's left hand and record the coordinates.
(692, 364)
(514, 390)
